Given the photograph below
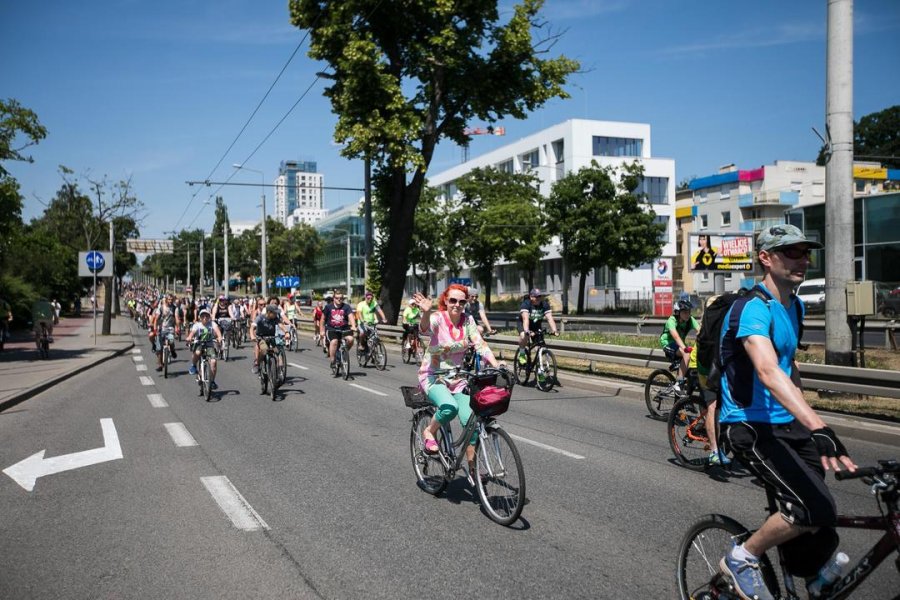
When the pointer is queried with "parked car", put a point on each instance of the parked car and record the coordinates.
(812, 292)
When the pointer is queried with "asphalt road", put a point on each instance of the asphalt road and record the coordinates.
(327, 473)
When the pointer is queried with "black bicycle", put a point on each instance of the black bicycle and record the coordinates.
(167, 350)
(661, 392)
(536, 358)
(412, 349)
(43, 342)
(272, 367)
(203, 366)
(341, 364)
(706, 542)
(374, 353)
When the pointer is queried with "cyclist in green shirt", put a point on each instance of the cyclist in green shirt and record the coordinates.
(675, 332)
(411, 318)
(368, 313)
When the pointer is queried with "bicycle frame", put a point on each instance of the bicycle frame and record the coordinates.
(456, 450)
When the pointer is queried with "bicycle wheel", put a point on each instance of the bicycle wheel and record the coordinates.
(659, 395)
(523, 368)
(263, 379)
(430, 472)
(379, 356)
(336, 363)
(500, 478)
(272, 373)
(45, 347)
(167, 356)
(345, 360)
(362, 356)
(207, 389)
(226, 351)
(281, 363)
(702, 547)
(545, 370)
(687, 433)
(406, 351)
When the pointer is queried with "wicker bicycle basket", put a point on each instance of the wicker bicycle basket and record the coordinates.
(414, 397)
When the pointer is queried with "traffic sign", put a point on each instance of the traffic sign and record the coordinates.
(287, 281)
(95, 262)
(467, 281)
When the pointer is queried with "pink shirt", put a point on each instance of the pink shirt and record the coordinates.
(447, 349)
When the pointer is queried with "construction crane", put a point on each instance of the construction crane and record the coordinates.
(489, 130)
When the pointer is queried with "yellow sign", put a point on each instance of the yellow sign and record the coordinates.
(869, 172)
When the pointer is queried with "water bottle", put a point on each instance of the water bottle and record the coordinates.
(830, 573)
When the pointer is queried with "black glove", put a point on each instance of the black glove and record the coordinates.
(827, 443)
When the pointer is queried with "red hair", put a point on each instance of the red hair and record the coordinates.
(442, 299)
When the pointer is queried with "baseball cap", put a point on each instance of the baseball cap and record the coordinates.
(205, 311)
(473, 291)
(783, 235)
(271, 308)
(536, 292)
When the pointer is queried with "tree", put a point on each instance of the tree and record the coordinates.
(876, 137)
(434, 245)
(601, 222)
(293, 251)
(407, 74)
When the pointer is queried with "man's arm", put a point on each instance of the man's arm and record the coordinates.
(552, 322)
(381, 314)
(526, 321)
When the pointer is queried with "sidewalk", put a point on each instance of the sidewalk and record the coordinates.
(23, 373)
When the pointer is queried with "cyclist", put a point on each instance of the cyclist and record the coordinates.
(338, 321)
(410, 319)
(165, 320)
(476, 311)
(42, 314)
(267, 324)
(765, 418)
(674, 334)
(206, 333)
(317, 318)
(368, 313)
(533, 311)
(294, 310)
(451, 332)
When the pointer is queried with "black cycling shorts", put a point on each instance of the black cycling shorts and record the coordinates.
(785, 458)
(337, 334)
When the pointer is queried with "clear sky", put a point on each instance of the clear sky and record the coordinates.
(158, 90)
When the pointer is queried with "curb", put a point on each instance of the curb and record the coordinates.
(33, 391)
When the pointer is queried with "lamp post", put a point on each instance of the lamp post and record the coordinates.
(265, 286)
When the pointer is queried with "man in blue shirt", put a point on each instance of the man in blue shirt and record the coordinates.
(764, 416)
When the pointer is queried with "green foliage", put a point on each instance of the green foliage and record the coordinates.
(600, 222)
(435, 241)
(875, 135)
(404, 75)
(15, 121)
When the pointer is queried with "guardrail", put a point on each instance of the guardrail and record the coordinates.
(853, 380)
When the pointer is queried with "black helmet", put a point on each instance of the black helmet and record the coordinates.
(683, 305)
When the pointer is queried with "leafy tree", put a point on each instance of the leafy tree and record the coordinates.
(876, 137)
(407, 74)
(435, 242)
(601, 222)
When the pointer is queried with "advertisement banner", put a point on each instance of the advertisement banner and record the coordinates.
(148, 246)
(662, 304)
(662, 272)
(722, 253)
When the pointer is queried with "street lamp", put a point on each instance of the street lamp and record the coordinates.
(265, 287)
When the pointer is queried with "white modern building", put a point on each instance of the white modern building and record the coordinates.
(298, 193)
(561, 149)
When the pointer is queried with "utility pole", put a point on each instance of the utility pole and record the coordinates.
(202, 235)
(189, 270)
(368, 218)
(839, 264)
(215, 273)
(227, 272)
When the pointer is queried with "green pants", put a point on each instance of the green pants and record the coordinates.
(450, 405)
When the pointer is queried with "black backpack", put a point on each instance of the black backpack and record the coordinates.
(711, 332)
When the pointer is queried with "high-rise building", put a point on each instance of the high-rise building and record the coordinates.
(298, 193)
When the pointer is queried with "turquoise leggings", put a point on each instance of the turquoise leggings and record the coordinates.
(450, 405)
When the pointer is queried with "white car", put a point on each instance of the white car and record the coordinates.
(812, 292)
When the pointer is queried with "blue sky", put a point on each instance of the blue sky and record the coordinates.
(158, 90)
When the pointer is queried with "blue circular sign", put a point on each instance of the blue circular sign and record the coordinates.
(95, 261)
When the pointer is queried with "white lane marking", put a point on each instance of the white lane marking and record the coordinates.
(180, 435)
(299, 366)
(157, 401)
(376, 392)
(546, 447)
(135, 350)
(233, 504)
(140, 367)
(137, 358)
(146, 380)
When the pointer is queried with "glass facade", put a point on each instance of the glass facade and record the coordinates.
(610, 146)
(330, 269)
(654, 189)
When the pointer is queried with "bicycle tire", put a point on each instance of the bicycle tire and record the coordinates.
(226, 352)
(336, 363)
(45, 345)
(207, 392)
(263, 380)
(499, 476)
(406, 353)
(686, 430)
(431, 475)
(167, 356)
(545, 370)
(379, 356)
(658, 395)
(345, 359)
(281, 365)
(362, 356)
(702, 547)
(272, 371)
(522, 371)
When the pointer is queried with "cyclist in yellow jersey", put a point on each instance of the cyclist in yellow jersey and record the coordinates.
(368, 313)
(411, 318)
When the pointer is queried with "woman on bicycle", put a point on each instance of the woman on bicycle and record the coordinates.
(410, 320)
(451, 332)
(675, 332)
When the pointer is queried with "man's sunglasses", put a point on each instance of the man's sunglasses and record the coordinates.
(455, 301)
(795, 253)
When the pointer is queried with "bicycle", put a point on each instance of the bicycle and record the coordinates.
(43, 342)
(294, 344)
(660, 393)
(542, 363)
(269, 370)
(708, 539)
(166, 354)
(686, 427)
(411, 347)
(226, 326)
(499, 477)
(374, 351)
(203, 368)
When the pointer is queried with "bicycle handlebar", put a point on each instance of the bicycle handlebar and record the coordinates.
(885, 467)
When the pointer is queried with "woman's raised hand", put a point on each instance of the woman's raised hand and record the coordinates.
(423, 302)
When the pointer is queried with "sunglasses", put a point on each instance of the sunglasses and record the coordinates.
(455, 301)
(795, 253)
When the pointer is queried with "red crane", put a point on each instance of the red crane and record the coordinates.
(489, 130)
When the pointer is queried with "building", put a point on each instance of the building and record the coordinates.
(551, 154)
(685, 213)
(298, 193)
(344, 234)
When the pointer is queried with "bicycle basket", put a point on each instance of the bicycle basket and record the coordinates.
(414, 397)
(489, 395)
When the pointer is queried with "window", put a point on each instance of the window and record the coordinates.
(654, 189)
(506, 166)
(725, 193)
(796, 186)
(609, 146)
(559, 151)
(664, 219)
(726, 218)
(530, 160)
(728, 276)
(704, 221)
(705, 277)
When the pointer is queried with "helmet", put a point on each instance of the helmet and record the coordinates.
(329, 295)
(222, 298)
(684, 305)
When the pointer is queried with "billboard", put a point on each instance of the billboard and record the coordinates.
(721, 252)
(147, 246)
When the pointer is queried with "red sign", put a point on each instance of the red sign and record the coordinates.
(662, 304)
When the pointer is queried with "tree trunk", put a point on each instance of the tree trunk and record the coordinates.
(107, 307)
(582, 279)
(565, 288)
(404, 198)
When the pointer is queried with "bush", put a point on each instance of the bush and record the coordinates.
(21, 295)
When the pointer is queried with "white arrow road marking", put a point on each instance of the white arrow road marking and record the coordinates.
(370, 390)
(146, 380)
(299, 366)
(180, 435)
(26, 472)
(233, 504)
(546, 447)
(157, 401)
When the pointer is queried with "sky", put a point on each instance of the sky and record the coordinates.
(157, 92)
